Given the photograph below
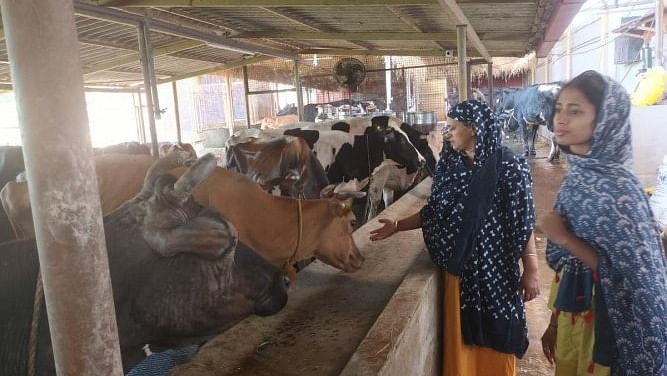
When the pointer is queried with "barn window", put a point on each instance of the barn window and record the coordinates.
(627, 49)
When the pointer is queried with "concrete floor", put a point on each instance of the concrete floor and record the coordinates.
(546, 181)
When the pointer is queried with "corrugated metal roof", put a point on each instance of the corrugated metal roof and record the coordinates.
(110, 50)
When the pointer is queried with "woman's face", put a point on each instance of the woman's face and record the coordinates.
(459, 136)
(574, 121)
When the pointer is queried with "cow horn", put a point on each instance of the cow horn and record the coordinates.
(194, 175)
(171, 160)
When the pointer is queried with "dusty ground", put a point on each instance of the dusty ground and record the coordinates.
(546, 181)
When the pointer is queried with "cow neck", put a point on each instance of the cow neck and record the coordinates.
(288, 267)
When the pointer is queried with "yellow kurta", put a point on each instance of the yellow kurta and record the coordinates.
(574, 342)
(461, 359)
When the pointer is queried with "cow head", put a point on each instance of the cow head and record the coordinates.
(337, 247)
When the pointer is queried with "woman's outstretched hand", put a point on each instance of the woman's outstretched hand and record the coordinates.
(389, 228)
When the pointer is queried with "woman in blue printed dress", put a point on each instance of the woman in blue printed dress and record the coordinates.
(477, 224)
(603, 243)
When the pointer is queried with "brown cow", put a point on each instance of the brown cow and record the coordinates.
(285, 164)
(271, 122)
(267, 224)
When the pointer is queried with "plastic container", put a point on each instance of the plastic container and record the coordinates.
(659, 199)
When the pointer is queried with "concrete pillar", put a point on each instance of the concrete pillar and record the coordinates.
(48, 82)
(177, 113)
(462, 62)
(146, 67)
(299, 90)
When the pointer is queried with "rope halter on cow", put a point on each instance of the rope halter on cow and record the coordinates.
(288, 268)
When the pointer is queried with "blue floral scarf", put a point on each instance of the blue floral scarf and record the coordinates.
(604, 205)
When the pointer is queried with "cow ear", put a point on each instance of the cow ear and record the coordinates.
(349, 195)
(341, 207)
(328, 191)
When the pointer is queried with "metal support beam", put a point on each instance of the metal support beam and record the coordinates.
(396, 52)
(278, 3)
(272, 91)
(177, 114)
(406, 20)
(299, 91)
(660, 32)
(213, 40)
(218, 68)
(489, 76)
(144, 45)
(44, 57)
(604, 31)
(461, 19)
(462, 62)
(229, 105)
(547, 69)
(568, 53)
(376, 35)
(136, 56)
(246, 91)
(309, 24)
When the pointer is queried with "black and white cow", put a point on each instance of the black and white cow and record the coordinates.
(530, 108)
(362, 149)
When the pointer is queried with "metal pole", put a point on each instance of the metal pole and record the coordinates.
(568, 53)
(43, 53)
(660, 32)
(603, 41)
(247, 96)
(177, 113)
(489, 74)
(149, 65)
(145, 59)
(462, 62)
(229, 106)
(387, 80)
(547, 68)
(140, 115)
(406, 86)
(299, 90)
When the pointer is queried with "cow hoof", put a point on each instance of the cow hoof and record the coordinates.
(526, 153)
(533, 153)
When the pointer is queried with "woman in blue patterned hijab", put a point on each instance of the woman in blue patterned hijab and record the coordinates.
(603, 239)
(477, 224)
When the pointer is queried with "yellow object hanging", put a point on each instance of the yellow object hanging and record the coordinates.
(650, 87)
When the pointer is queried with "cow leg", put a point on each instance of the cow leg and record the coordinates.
(554, 151)
(524, 135)
(533, 136)
(387, 196)
(207, 236)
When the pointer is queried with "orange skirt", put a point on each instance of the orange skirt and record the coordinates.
(461, 359)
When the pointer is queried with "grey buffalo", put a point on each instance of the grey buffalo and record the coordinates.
(177, 271)
(526, 110)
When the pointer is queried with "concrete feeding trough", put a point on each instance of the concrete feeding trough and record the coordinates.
(382, 320)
